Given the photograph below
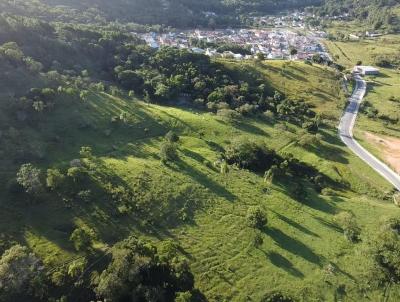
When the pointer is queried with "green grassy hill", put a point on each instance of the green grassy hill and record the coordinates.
(190, 202)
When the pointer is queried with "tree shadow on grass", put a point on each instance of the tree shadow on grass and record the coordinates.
(249, 128)
(295, 225)
(196, 156)
(291, 75)
(293, 245)
(311, 199)
(202, 179)
(326, 152)
(338, 269)
(283, 263)
(214, 146)
(328, 224)
(244, 126)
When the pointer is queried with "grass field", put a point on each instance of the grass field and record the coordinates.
(380, 88)
(301, 238)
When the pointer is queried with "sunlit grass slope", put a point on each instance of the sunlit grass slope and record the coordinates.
(203, 210)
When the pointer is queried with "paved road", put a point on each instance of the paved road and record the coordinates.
(346, 134)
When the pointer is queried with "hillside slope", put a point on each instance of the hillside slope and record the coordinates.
(377, 14)
(191, 202)
(129, 173)
(176, 13)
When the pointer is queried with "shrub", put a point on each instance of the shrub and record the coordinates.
(250, 155)
(308, 140)
(224, 168)
(77, 267)
(168, 151)
(258, 240)
(81, 239)
(277, 297)
(310, 126)
(29, 178)
(55, 179)
(256, 217)
(84, 196)
(228, 114)
(172, 137)
(86, 152)
(76, 173)
(348, 223)
(184, 297)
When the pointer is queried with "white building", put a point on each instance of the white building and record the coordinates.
(366, 70)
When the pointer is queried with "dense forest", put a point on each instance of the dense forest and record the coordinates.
(175, 13)
(379, 14)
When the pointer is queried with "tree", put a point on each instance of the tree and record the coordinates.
(168, 151)
(224, 169)
(293, 51)
(258, 240)
(54, 179)
(172, 137)
(76, 173)
(184, 297)
(260, 56)
(249, 155)
(86, 152)
(29, 178)
(81, 239)
(38, 106)
(277, 297)
(270, 175)
(77, 267)
(20, 273)
(347, 221)
(256, 217)
(136, 271)
(382, 253)
(316, 58)
(129, 79)
(84, 95)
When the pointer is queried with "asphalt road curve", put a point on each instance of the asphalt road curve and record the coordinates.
(346, 134)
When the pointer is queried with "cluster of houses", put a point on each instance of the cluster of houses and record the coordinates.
(273, 44)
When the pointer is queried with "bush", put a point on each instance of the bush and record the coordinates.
(250, 155)
(168, 151)
(81, 239)
(277, 297)
(29, 178)
(258, 240)
(86, 152)
(228, 114)
(172, 137)
(310, 126)
(55, 179)
(76, 173)
(348, 223)
(256, 217)
(308, 140)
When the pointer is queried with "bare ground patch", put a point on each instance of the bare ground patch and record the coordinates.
(388, 146)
